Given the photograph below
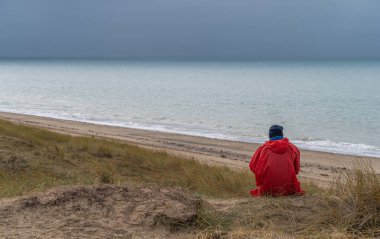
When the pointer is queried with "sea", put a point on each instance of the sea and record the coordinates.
(322, 105)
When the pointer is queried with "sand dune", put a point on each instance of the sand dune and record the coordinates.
(99, 212)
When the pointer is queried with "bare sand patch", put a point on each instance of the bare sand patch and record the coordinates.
(106, 211)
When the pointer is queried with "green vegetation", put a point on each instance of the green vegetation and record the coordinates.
(34, 160)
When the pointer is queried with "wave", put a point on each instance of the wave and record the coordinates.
(340, 147)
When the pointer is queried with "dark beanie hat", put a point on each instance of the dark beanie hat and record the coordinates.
(275, 130)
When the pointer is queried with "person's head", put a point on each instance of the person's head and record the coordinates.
(275, 130)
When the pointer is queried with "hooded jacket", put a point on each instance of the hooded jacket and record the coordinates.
(276, 164)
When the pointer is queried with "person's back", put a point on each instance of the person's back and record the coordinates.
(276, 164)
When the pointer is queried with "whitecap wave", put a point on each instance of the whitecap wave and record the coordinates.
(340, 147)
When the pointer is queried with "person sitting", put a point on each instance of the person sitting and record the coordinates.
(276, 164)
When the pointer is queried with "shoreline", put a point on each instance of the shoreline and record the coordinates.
(315, 165)
(301, 144)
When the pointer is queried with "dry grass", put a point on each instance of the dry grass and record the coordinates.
(349, 208)
(352, 203)
(33, 160)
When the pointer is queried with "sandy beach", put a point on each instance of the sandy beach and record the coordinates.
(318, 167)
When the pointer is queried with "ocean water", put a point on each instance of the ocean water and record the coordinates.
(324, 106)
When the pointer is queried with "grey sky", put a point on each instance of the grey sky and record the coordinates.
(191, 29)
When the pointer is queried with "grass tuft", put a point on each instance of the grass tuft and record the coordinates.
(352, 203)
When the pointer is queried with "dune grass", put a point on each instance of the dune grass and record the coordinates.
(352, 203)
(349, 208)
(33, 160)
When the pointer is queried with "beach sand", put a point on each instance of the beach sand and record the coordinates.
(318, 167)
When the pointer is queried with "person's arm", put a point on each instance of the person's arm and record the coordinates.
(297, 164)
(255, 159)
(256, 166)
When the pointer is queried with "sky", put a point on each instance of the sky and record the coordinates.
(191, 29)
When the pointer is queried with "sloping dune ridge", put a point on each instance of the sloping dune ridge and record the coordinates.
(105, 211)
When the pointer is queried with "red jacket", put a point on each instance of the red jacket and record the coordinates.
(275, 165)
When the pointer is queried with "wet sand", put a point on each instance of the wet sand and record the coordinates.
(319, 167)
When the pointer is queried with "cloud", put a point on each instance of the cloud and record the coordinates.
(191, 29)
